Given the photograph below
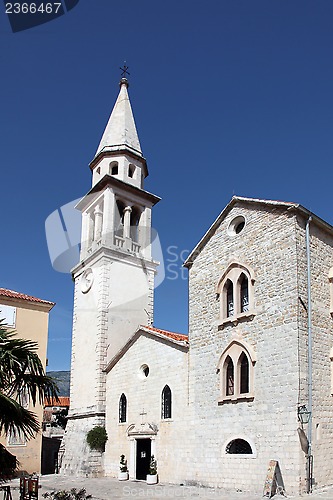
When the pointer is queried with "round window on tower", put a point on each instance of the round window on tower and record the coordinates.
(236, 226)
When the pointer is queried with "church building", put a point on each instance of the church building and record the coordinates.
(253, 380)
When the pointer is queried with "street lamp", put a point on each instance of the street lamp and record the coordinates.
(303, 414)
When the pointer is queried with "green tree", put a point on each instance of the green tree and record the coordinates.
(21, 375)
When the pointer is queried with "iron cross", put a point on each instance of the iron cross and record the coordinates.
(124, 71)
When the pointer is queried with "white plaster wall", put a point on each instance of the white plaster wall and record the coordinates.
(167, 365)
(103, 166)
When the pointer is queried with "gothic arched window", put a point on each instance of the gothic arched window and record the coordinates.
(235, 289)
(244, 374)
(244, 293)
(122, 408)
(166, 402)
(229, 376)
(229, 294)
(236, 368)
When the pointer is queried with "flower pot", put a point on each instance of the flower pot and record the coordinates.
(151, 478)
(122, 476)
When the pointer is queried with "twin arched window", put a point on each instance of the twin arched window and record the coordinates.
(166, 403)
(243, 378)
(235, 291)
(122, 409)
(242, 290)
(236, 372)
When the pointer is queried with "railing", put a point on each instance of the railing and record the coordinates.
(119, 241)
(135, 247)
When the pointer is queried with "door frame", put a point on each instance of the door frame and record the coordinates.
(133, 452)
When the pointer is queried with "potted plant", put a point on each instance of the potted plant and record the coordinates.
(123, 472)
(152, 476)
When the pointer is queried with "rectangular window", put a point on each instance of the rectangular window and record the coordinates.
(16, 439)
(8, 314)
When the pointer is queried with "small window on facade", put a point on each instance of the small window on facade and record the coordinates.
(114, 168)
(229, 377)
(99, 170)
(166, 402)
(122, 408)
(236, 226)
(239, 447)
(8, 314)
(230, 298)
(244, 374)
(143, 372)
(244, 293)
(15, 438)
(131, 170)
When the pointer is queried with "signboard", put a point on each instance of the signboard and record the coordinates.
(274, 482)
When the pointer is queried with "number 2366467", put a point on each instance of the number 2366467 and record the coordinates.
(33, 8)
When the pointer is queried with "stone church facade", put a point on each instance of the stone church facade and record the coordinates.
(214, 407)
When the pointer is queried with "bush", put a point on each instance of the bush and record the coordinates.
(67, 495)
(97, 437)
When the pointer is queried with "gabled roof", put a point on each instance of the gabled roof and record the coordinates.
(172, 339)
(268, 203)
(4, 292)
(171, 335)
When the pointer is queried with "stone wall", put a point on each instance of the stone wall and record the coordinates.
(79, 459)
(321, 256)
(267, 244)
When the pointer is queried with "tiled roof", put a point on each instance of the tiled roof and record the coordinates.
(17, 295)
(172, 335)
(63, 401)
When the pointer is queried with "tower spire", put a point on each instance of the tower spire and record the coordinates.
(120, 129)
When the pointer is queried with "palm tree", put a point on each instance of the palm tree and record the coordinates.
(21, 375)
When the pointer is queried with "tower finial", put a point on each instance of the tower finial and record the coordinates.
(124, 74)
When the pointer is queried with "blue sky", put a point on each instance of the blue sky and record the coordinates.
(230, 97)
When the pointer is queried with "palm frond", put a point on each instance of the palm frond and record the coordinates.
(21, 374)
(8, 464)
(16, 419)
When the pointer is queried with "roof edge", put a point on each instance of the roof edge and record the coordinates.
(142, 330)
(288, 205)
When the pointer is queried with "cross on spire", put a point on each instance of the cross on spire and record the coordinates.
(124, 71)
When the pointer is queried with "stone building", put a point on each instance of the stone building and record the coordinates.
(214, 407)
(29, 317)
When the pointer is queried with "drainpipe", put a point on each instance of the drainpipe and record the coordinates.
(309, 455)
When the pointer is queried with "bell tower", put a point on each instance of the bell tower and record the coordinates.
(114, 280)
